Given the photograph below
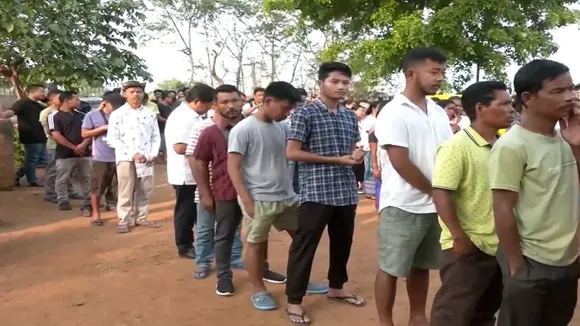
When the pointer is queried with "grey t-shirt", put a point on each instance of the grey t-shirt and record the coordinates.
(265, 167)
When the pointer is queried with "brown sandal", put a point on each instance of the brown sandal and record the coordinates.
(148, 224)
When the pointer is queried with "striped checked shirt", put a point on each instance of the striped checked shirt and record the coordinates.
(192, 143)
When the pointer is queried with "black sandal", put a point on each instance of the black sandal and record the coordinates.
(97, 222)
(299, 318)
(349, 300)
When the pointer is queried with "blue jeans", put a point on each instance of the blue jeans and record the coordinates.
(31, 160)
(44, 159)
(204, 234)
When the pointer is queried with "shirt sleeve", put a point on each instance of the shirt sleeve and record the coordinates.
(506, 167)
(449, 166)
(238, 141)
(391, 129)
(50, 121)
(88, 122)
(356, 131)
(194, 138)
(56, 124)
(182, 134)
(204, 149)
(155, 138)
(300, 126)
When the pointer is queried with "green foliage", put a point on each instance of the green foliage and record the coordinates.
(487, 34)
(18, 150)
(72, 43)
(172, 84)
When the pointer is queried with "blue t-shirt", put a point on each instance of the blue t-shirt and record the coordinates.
(102, 152)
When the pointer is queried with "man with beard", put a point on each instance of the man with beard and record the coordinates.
(328, 193)
(410, 128)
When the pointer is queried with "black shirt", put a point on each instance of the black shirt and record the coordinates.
(164, 112)
(69, 125)
(30, 129)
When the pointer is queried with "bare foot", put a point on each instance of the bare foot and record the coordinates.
(297, 315)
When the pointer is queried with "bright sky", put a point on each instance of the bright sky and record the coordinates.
(166, 62)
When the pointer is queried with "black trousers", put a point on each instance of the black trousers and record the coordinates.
(184, 216)
(228, 216)
(538, 294)
(470, 292)
(313, 218)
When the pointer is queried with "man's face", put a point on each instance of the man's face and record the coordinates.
(277, 110)
(458, 106)
(229, 105)
(203, 106)
(428, 76)
(158, 94)
(38, 94)
(500, 113)
(360, 112)
(259, 97)
(54, 101)
(555, 100)
(451, 110)
(179, 94)
(335, 86)
(72, 103)
(134, 95)
(172, 95)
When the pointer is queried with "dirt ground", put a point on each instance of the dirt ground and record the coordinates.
(57, 270)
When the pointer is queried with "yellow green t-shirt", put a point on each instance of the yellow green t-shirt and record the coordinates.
(543, 171)
(152, 106)
(50, 143)
(461, 167)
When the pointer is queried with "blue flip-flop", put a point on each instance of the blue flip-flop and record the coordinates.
(317, 288)
(264, 301)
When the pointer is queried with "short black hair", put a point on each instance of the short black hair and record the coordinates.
(116, 90)
(531, 76)
(281, 90)
(481, 92)
(33, 87)
(164, 94)
(158, 91)
(420, 55)
(66, 95)
(455, 98)
(444, 103)
(302, 91)
(576, 87)
(171, 91)
(200, 92)
(114, 98)
(52, 93)
(327, 68)
(241, 93)
(225, 88)
(259, 89)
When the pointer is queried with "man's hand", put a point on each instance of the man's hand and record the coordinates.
(347, 160)
(80, 148)
(570, 128)
(462, 245)
(358, 154)
(377, 173)
(249, 208)
(139, 158)
(208, 203)
(151, 160)
(104, 128)
(516, 265)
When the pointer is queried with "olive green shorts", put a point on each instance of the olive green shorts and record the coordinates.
(279, 214)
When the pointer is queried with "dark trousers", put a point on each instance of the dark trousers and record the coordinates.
(228, 216)
(184, 216)
(312, 220)
(33, 152)
(538, 294)
(470, 292)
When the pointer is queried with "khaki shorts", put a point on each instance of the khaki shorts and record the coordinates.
(279, 214)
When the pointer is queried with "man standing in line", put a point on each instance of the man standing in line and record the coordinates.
(254, 105)
(471, 284)
(258, 168)
(50, 172)
(134, 134)
(205, 226)
(212, 147)
(533, 172)
(30, 132)
(410, 128)
(323, 140)
(186, 117)
(95, 127)
(71, 152)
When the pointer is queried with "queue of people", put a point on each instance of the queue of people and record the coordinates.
(497, 215)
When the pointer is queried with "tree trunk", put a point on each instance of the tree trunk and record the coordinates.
(11, 75)
(217, 78)
(254, 76)
(192, 67)
(273, 61)
(477, 72)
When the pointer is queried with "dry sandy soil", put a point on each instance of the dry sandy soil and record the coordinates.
(56, 270)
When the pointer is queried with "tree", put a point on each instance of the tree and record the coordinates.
(72, 43)
(485, 34)
(182, 18)
(172, 84)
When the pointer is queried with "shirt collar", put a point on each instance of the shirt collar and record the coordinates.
(402, 99)
(322, 107)
(128, 107)
(476, 137)
(186, 106)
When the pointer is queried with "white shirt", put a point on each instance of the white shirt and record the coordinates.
(402, 123)
(178, 129)
(464, 122)
(247, 107)
(133, 131)
(365, 127)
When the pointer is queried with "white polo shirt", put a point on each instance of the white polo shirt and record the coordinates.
(178, 129)
(402, 123)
